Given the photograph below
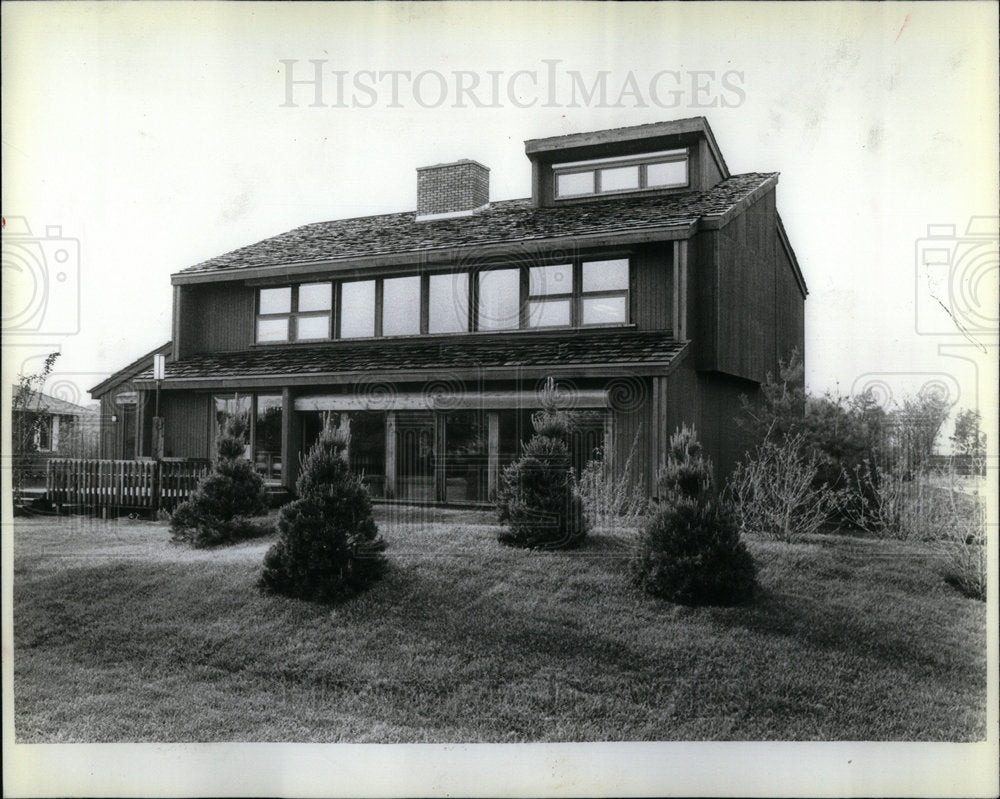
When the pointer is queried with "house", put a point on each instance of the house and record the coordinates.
(641, 283)
(120, 418)
(46, 427)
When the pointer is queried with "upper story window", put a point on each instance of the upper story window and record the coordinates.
(401, 306)
(357, 309)
(294, 313)
(604, 292)
(661, 170)
(499, 306)
(448, 303)
(550, 295)
(583, 292)
(561, 295)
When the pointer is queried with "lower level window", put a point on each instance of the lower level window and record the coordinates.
(267, 436)
(257, 420)
(232, 414)
(365, 431)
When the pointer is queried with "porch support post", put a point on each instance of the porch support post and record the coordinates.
(440, 481)
(291, 434)
(608, 447)
(658, 444)
(493, 453)
(679, 321)
(683, 249)
(390, 454)
(140, 426)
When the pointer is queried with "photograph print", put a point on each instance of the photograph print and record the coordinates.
(500, 398)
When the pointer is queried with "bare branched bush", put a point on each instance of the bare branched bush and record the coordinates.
(875, 500)
(935, 505)
(612, 498)
(773, 491)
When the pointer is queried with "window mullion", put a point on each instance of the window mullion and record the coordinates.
(336, 305)
(473, 320)
(379, 295)
(425, 303)
(576, 304)
(522, 300)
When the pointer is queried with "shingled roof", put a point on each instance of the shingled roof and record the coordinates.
(503, 222)
(56, 406)
(621, 350)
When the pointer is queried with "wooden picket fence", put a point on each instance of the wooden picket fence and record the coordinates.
(144, 485)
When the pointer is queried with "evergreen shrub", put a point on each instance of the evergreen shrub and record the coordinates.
(222, 508)
(690, 551)
(537, 501)
(328, 546)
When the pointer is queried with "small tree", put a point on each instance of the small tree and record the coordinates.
(969, 440)
(914, 428)
(26, 422)
(220, 509)
(690, 550)
(537, 500)
(328, 546)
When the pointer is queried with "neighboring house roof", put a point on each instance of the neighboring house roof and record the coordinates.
(128, 372)
(505, 223)
(45, 403)
(617, 351)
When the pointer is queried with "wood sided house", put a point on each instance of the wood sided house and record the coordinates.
(648, 283)
(51, 427)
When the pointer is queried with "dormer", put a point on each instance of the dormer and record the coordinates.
(664, 157)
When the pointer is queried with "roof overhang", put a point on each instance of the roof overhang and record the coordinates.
(717, 221)
(372, 378)
(453, 400)
(140, 364)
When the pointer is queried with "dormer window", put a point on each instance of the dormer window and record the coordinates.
(667, 169)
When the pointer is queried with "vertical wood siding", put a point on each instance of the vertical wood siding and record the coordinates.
(113, 433)
(631, 423)
(790, 308)
(709, 172)
(652, 287)
(719, 431)
(216, 318)
(747, 306)
(185, 424)
(745, 325)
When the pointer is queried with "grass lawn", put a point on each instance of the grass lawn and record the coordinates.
(121, 636)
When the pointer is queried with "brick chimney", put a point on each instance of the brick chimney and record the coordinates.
(445, 191)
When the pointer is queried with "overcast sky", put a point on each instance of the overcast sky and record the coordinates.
(157, 136)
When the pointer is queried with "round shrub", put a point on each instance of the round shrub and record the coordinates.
(220, 509)
(537, 500)
(690, 551)
(328, 546)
